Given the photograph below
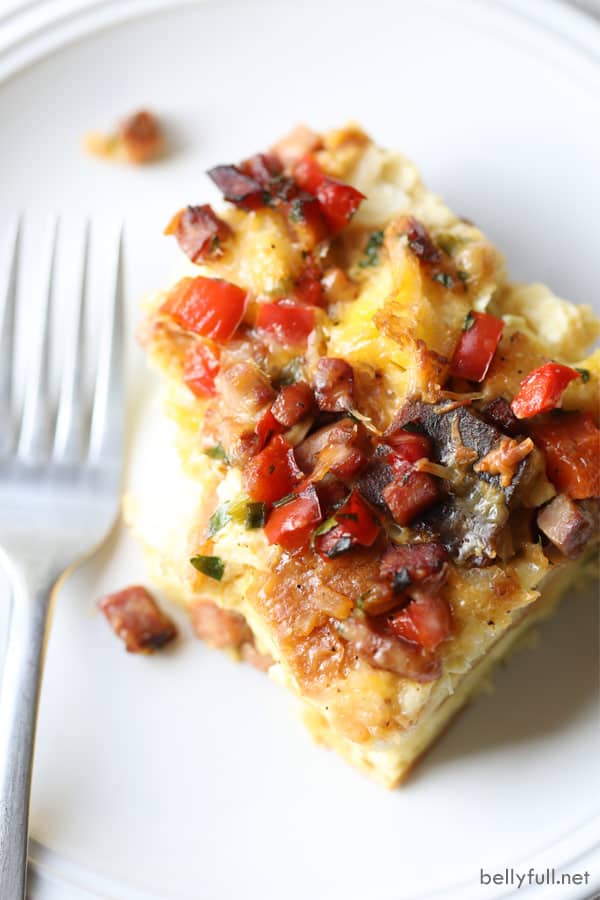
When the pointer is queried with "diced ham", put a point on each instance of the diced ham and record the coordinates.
(569, 525)
(220, 628)
(346, 444)
(408, 564)
(294, 402)
(371, 640)
(334, 385)
(245, 391)
(136, 618)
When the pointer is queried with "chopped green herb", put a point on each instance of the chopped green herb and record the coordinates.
(585, 374)
(218, 520)
(444, 278)
(469, 321)
(297, 211)
(256, 515)
(464, 276)
(371, 255)
(212, 566)
(283, 500)
(216, 452)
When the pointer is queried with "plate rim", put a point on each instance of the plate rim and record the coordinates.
(44, 27)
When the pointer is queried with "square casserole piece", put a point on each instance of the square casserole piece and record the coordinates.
(389, 453)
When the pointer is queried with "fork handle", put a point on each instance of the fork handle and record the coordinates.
(31, 593)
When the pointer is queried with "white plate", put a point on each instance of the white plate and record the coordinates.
(183, 775)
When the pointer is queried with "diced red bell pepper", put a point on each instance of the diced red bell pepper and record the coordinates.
(267, 427)
(541, 390)
(308, 173)
(571, 445)
(410, 494)
(288, 323)
(357, 518)
(207, 306)
(357, 523)
(338, 203)
(476, 346)
(273, 473)
(407, 446)
(200, 368)
(426, 621)
(291, 524)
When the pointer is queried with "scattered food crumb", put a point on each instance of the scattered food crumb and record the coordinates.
(136, 618)
(139, 139)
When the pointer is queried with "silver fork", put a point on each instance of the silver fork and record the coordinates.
(59, 493)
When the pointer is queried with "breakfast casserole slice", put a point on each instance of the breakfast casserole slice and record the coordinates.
(391, 453)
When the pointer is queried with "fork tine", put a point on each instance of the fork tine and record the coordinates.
(106, 433)
(68, 440)
(7, 340)
(35, 421)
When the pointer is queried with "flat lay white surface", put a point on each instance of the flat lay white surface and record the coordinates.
(183, 775)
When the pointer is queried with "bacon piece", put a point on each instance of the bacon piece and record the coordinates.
(569, 525)
(408, 564)
(372, 640)
(504, 459)
(245, 391)
(308, 288)
(219, 628)
(136, 618)
(376, 476)
(334, 385)
(501, 415)
(294, 402)
(263, 167)
(237, 187)
(199, 232)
